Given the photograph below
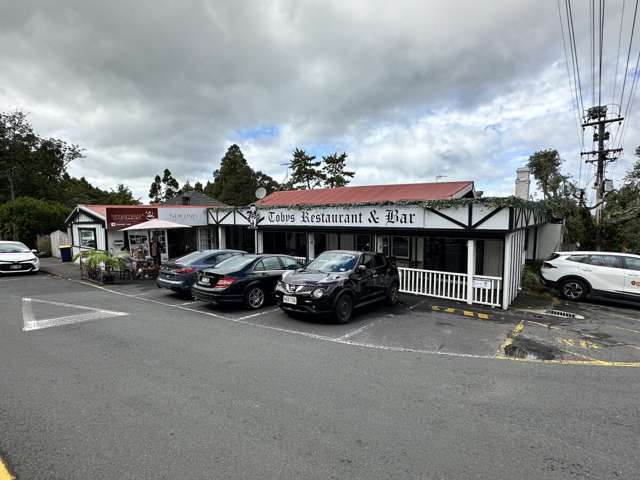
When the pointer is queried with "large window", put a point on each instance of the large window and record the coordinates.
(363, 243)
(88, 238)
(400, 247)
(206, 238)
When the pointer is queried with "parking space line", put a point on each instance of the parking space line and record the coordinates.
(253, 315)
(358, 331)
(338, 340)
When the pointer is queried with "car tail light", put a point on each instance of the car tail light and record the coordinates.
(184, 270)
(548, 265)
(224, 282)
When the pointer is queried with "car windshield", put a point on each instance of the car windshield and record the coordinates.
(13, 247)
(329, 262)
(236, 262)
(193, 257)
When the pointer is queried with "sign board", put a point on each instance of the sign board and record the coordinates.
(482, 283)
(368, 217)
(192, 216)
(123, 217)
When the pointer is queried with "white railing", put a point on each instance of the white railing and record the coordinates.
(450, 286)
(432, 283)
(487, 290)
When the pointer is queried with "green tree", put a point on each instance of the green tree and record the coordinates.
(197, 187)
(234, 182)
(155, 191)
(305, 173)
(263, 180)
(24, 218)
(545, 167)
(334, 170)
(31, 165)
(171, 185)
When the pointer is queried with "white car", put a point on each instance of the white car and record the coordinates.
(15, 257)
(615, 276)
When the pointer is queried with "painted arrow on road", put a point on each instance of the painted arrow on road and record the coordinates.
(90, 313)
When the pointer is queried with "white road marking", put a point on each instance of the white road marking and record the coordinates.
(360, 344)
(253, 315)
(190, 303)
(417, 304)
(31, 323)
(358, 331)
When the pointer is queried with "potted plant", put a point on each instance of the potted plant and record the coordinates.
(101, 265)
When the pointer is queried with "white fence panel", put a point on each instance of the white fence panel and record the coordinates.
(451, 286)
(58, 238)
(487, 290)
(432, 283)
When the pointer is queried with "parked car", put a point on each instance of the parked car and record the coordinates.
(16, 257)
(338, 281)
(181, 273)
(577, 275)
(246, 279)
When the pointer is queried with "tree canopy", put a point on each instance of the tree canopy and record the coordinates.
(305, 173)
(334, 171)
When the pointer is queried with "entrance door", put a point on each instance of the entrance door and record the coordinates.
(632, 276)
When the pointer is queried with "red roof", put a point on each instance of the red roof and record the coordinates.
(369, 194)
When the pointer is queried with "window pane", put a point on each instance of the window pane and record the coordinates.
(576, 258)
(605, 261)
(271, 263)
(379, 260)
(288, 261)
(363, 243)
(87, 238)
(401, 247)
(632, 263)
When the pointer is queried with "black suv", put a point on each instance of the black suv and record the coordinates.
(338, 281)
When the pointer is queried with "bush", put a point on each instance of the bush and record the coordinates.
(531, 277)
(25, 218)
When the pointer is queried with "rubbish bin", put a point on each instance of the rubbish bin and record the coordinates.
(65, 253)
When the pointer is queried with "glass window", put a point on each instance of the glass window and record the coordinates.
(368, 261)
(13, 247)
(363, 243)
(206, 238)
(236, 262)
(575, 258)
(400, 247)
(610, 261)
(268, 263)
(289, 262)
(333, 262)
(379, 261)
(88, 238)
(632, 263)
(385, 246)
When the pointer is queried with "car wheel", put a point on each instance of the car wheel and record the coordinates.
(343, 309)
(393, 294)
(573, 289)
(254, 298)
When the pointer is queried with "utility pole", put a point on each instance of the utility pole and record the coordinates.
(597, 117)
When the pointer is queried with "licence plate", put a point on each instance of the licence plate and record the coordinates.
(290, 299)
(205, 280)
(15, 267)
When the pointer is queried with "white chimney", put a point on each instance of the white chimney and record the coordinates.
(522, 183)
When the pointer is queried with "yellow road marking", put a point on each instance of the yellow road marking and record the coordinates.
(450, 310)
(483, 316)
(598, 363)
(509, 340)
(4, 472)
(467, 313)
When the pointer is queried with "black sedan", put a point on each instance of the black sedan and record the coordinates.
(245, 279)
(338, 281)
(180, 274)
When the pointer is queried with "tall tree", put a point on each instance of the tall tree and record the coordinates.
(334, 170)
(155, 191)
(234, 181)
(171, 185)
(545, 167)
(263, 180)
(31, 165)
(197, 187)
(305, 173)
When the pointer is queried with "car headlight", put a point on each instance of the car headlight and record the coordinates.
(318, 293)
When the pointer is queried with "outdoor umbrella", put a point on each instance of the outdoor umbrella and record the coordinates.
(155, 224)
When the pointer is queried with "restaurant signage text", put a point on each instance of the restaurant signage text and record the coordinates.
(119, 218)
(388, 217)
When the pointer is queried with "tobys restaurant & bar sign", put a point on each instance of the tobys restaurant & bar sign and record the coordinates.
(123, 217)
(389, 217)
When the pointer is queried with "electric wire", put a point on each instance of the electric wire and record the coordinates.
(626, 69)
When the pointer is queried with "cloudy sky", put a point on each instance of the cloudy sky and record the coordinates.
(409, 89)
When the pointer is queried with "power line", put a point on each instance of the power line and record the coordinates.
(615, 77)
(601, 5)
(574, 53)
(626, 69)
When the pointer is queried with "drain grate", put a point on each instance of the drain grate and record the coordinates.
(561, 314)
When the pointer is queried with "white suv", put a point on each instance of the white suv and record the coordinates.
(599, 274)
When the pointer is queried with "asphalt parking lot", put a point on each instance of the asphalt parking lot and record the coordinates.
(136, 382)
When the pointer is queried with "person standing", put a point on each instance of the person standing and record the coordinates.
(154, 250)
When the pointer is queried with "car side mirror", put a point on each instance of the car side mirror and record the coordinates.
(362, 268)
(33, 250)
